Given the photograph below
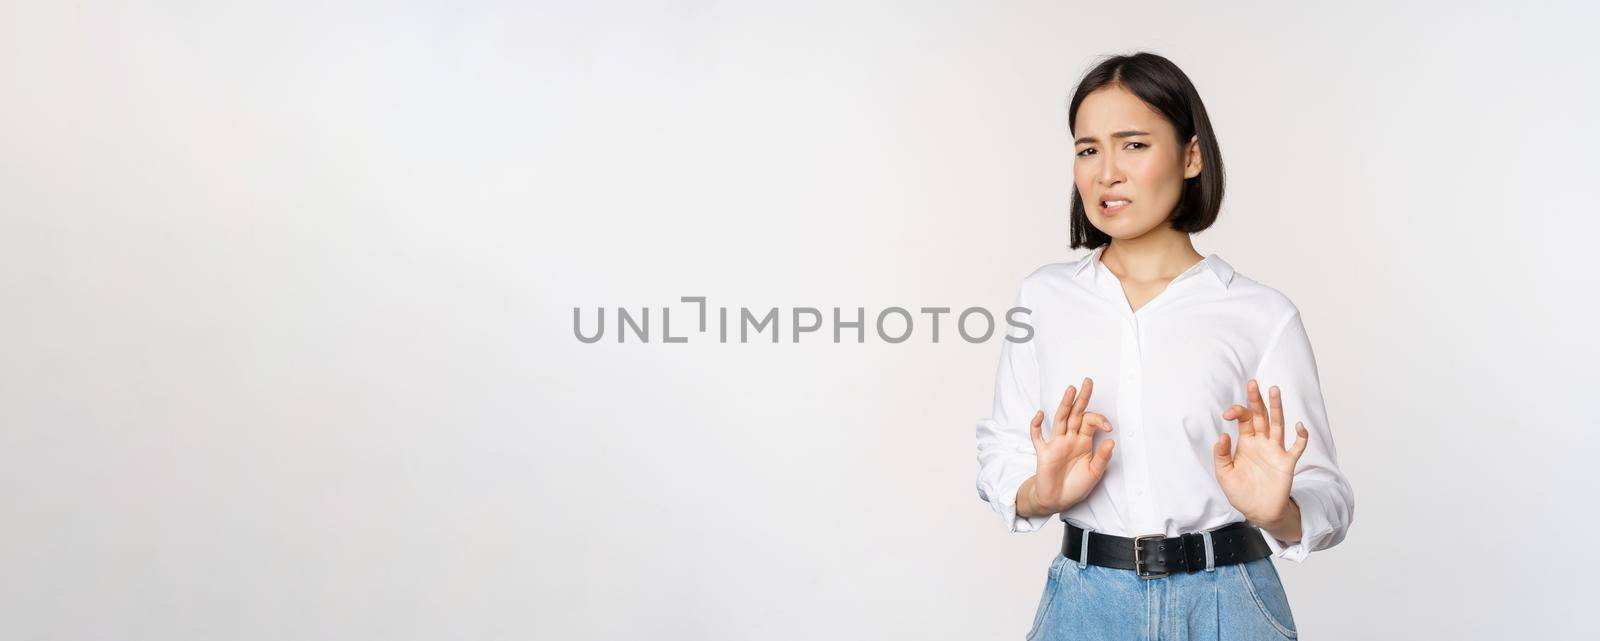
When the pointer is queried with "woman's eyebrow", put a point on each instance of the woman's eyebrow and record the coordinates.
(1120, 134)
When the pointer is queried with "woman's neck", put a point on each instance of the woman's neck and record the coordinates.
(1151, 257)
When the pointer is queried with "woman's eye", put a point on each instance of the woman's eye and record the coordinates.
(1086, 150)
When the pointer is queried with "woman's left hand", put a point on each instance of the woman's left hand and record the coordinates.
(1256, 477)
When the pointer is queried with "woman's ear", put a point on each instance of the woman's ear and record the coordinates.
(1192, 164)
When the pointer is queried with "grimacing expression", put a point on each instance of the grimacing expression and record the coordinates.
(1127, 151)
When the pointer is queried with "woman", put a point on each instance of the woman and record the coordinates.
(1145, 338)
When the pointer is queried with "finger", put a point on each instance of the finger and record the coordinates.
(1301, 441)
(1276, 398)
(1222, 453)
(1239, 413)
(1058, 426)
(1096, 420)
(1258, 410)
(1064, 406)
(1102, 458)
(1036, 431)
(1075, 419)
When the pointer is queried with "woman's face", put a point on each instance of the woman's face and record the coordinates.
(1128, 151)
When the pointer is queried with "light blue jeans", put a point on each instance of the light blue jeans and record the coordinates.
(1238, 602)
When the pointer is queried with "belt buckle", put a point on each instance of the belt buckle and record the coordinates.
(1138, 561)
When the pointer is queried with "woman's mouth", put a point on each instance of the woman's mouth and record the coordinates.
(1112, 206)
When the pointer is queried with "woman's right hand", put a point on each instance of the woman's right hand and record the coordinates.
(1068, 465)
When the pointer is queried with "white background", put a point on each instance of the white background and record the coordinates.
(286, 347)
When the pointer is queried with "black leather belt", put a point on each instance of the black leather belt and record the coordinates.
(1156, 555)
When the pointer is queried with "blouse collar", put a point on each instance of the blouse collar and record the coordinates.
(1212, 263)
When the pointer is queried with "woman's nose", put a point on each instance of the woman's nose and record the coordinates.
(1109, 172)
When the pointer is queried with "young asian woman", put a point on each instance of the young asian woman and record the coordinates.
(1199, 371)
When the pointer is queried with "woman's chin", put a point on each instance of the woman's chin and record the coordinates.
(1119, 227)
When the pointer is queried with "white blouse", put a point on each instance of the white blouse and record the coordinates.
(1163, 376)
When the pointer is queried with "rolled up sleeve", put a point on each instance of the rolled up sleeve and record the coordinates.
(1006, 456)
(1320, 488)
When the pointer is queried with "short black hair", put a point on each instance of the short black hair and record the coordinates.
(1164, 87)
